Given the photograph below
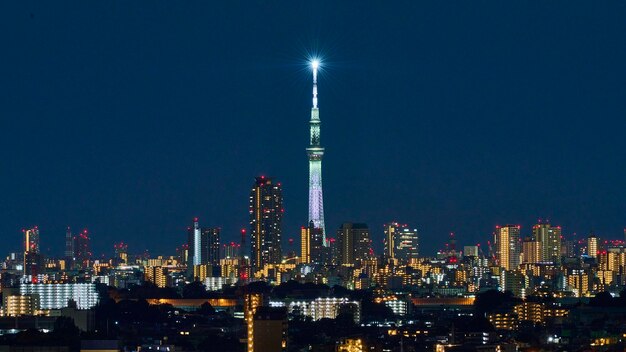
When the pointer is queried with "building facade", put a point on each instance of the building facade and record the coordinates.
(354, 243)
(508, 246)
(266, 214)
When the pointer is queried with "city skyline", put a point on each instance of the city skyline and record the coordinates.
(413, 140)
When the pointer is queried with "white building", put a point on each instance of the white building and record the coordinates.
(216, 283)
(321, 307)
(56, 296)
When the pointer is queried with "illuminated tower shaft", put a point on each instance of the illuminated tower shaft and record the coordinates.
(315, 153)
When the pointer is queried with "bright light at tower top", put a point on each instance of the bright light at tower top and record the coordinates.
(315, 63)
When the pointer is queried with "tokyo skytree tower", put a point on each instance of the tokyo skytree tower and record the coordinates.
(315, 153)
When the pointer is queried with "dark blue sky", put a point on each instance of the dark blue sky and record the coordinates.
(130, 118)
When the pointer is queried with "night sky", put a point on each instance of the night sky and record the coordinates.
(130, 118)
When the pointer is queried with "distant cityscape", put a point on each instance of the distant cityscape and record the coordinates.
(539, 291)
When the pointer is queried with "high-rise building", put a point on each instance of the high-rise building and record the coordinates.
(69, 245)
(550, 239)
(194, 241)
(31, 240)
(266, 214)
(311, 244)
(82, 254)
(33, 262)
(401, 242)
(211, 236)
(592, 246)
(531, 251)
(507, 243)
(315, 152)
(305, 245)
(354, 243)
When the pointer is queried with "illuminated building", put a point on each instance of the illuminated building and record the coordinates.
(507, 242)
(350, 345)
(266, 214)
(514, 281)
(503, 320)
(530, 311)
(592, 246)
(252, 301)
(33, 261)
(18, 305)
(202, 271)
(400, 242)
(218, 282)
(305, 245)
(531, 251)
(354, 243)
(56, 296)
(269, 329)
(194, 243)
(211, 251)
(311, 244)
(578, 281)
(315, 153)
(321, 307)
(550, 239)
(156, 275)
(82, 255)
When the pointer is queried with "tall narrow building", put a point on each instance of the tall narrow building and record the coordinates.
(211, 235)
(82, 252)
(194, 241)
(508, 246)
(592, 246)
(312, 247)
(69, 245)
(266, 214)
(33, 263)
(550, 239)
(315, 152)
